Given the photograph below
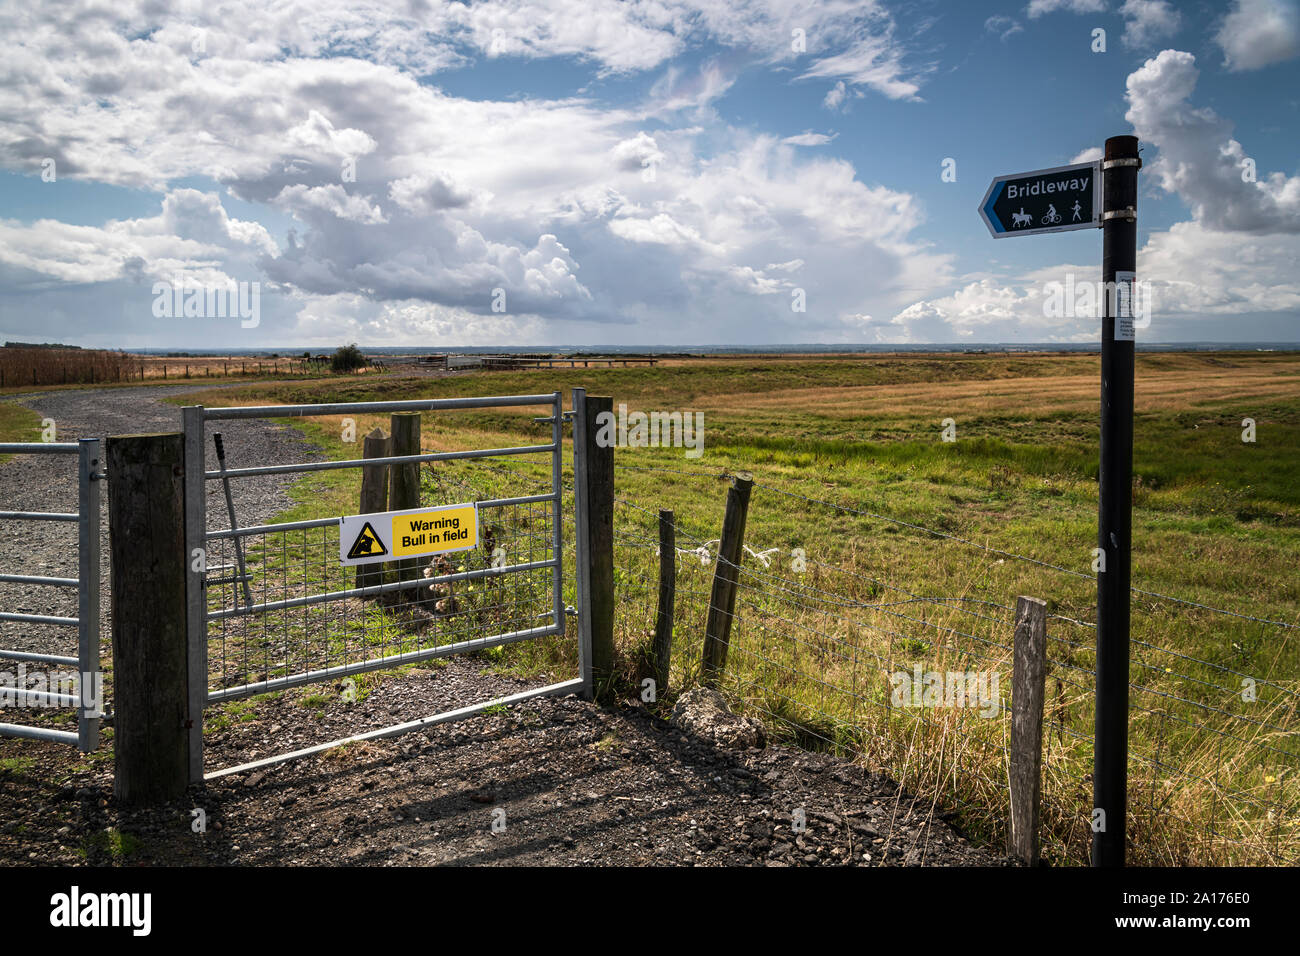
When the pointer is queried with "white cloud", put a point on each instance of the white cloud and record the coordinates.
(1257, 33)
(1038, 8)
(1088, 155)
(1148, 21)
(191, 236)
(1004, 27)
(688, 90)
(1199, 159)
(332, 199)
(875, 62)
(809, 138)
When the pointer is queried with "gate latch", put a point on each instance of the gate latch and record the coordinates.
(564, 417)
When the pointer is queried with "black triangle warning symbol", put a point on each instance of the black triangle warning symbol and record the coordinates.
(367, 544)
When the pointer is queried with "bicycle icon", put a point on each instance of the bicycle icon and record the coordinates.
(1052, 217)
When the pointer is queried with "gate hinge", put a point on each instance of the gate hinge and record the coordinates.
(98, 476)
(570, 611)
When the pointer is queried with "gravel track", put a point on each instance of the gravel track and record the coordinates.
(48, 483)
(572, 783)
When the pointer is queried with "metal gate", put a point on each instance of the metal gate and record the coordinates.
(270, 607)
(85, 691)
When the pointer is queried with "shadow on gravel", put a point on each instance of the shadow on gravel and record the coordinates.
(553, 782)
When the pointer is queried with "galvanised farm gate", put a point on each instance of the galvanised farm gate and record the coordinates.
(84, 691)
(273, 606)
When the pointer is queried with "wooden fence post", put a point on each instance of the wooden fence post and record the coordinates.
(726, 572)
(596, 487)
(663, 640)
(404, 486)
(374, 498)
(1027, 680)
(146, 525)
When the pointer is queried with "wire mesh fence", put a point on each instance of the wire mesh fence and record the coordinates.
(836, 649)
(296, 622)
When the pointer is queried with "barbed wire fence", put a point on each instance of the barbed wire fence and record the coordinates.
(820, 634)
(818, 641)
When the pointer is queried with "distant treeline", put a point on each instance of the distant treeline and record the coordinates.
(42, 365)
(38, 345)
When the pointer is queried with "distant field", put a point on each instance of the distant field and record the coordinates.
(1216, 521)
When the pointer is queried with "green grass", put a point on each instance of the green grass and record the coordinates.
(112, 843)
(18, 423)
(16, 765)
(1216, 521)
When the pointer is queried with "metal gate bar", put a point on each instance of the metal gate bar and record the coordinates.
(198, 537)
(87, 662)
(565, 687)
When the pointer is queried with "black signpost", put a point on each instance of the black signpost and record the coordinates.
(1115, 501)
(1089, 195)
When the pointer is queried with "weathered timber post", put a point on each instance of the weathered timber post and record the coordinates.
(404, 485)
(374, 497)
(663, 640)
(1027, 683)
(594, 487)
(722, 601)
(150, 684)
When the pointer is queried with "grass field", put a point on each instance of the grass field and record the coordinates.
(851, 471)
(18, 423)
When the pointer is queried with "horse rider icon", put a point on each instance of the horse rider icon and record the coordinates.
(1077, 216)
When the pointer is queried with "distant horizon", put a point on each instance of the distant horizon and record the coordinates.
(808, 348)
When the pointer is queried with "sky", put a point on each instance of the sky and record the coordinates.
(631, 172)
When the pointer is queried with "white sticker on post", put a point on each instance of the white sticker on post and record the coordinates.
(1123, 306)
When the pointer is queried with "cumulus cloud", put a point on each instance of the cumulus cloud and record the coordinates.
(1198, 157)
(192, 236)
(332, 199)
(1258, 33)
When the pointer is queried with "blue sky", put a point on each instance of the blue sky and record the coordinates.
(676, 172)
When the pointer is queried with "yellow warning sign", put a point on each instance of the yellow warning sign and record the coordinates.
(454, 528)
(367, 544)
(365, 539)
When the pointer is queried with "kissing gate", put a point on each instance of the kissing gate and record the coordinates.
(274, 606)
